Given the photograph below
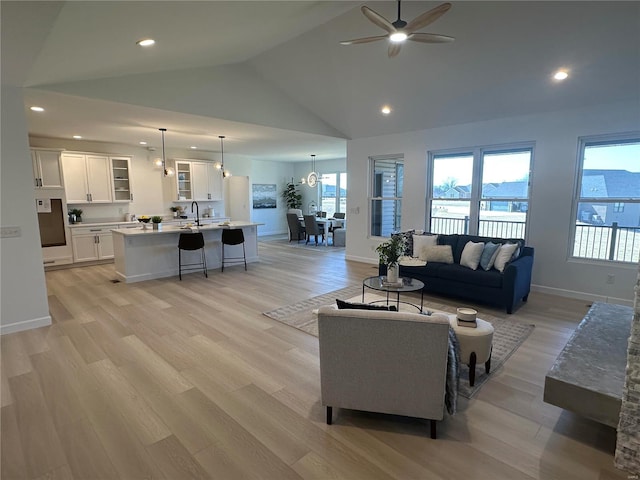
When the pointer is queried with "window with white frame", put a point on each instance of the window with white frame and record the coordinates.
(333, 193)
(385, 200)
(607, 199)
(481, 191)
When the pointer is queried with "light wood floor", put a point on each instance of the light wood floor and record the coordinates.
(170, 379)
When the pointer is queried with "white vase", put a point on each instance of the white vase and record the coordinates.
(392, 273)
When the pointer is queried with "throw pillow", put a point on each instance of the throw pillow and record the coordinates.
(342, 305)
(471, 255)
(438, 253)
(505, 252)
(420, 242)
(489, 255)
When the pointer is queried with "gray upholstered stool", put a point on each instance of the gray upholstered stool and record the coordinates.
(475, 345)
(339, 237)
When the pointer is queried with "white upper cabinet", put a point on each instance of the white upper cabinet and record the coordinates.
(47, 172)
(87, 178)
(183, 180)
(206, 180)
(121, 170)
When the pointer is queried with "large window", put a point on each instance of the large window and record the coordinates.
(333, 193)
(607, 200)
(387, 179)
(484, 191)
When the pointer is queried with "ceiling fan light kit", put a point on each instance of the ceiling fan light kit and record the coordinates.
(400, 31)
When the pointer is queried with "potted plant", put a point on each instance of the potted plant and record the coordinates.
(389, 253)
(291, 196)
(156, 220)
(75, 215)
(176, 209)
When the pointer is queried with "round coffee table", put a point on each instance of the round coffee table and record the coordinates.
(408, 285)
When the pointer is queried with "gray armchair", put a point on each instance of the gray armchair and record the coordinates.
(386, 362)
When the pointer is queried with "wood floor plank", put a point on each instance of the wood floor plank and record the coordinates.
(12, 462)
(38, 435)
(175, 461)
(146, 424)
(171, 379)
(85, 453)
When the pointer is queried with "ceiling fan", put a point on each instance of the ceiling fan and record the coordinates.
(400, 31)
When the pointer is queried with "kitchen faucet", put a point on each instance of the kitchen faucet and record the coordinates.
(197, 212)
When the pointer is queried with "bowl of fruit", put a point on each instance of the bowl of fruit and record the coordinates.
(144, 218)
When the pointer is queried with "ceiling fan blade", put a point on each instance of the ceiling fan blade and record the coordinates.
(430, 38)
(363, 40)
(378, 19)
(427, 17)
(394, 49)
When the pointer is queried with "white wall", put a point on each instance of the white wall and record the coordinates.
(554, 169)
(22, 287)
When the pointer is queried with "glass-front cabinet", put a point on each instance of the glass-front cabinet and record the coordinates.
(183, 179)
(121, 179)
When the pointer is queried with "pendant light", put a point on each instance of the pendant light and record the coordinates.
(167, 171)
(225, 173)
(312, 178)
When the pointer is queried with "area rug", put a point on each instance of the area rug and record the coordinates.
(507, 337)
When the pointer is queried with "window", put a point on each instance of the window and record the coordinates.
(387, 179)
(484, 191)
(333, 193)
(607, 199)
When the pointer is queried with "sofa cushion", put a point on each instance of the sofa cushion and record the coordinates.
(420, 242)
(461, 274)
(342, 305)
(437, 253)
(505, 254)
(471, 254)
(408, 236)
(489, 254)
(429, 270)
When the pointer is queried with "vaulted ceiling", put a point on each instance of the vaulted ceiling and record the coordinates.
(273, 78)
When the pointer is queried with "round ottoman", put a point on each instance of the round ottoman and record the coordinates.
(475, 345)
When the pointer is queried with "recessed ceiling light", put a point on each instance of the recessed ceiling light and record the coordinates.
(37, 109)
(146, 42)
(77, 137)
(560, 75)
(193, 147)
(143, 143)
(386, 109)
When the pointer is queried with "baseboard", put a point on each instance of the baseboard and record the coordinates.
(25, 325)
(590, 297)
(354, 258)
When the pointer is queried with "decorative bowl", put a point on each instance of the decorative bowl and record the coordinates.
(144, 219)
(466, 314)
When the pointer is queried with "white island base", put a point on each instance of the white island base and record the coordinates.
(147, 254)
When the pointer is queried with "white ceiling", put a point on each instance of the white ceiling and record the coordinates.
(272, 77)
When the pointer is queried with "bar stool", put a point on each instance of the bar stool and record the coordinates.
(233, 237)
(191, 241)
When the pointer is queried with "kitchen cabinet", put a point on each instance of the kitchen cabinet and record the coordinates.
(121, 176)
(47, 171)
(92, 243)
(183, 180)
(87, 178)
(206, 181)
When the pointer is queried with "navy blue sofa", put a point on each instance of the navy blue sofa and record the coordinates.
(492, 287)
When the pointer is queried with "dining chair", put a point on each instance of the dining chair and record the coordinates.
(296, 229)
(313, 228)
(233, 236)
(191, 242)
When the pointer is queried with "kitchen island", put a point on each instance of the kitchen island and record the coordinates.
(144, 254)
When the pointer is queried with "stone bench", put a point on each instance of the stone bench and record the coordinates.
(588, 376)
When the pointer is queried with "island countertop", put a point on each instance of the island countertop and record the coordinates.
(168, 229)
